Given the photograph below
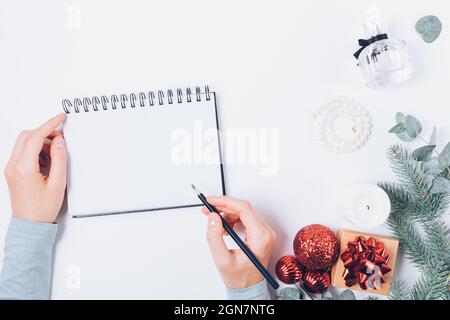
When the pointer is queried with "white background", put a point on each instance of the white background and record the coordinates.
(270, 62)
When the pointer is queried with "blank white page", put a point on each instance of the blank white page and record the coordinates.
(142, 158)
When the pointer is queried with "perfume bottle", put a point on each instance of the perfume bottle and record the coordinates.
(382, 61)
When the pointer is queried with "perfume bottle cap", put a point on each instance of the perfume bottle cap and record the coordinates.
(374, 29)
(374, 24)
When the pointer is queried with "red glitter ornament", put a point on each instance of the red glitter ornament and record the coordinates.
(316, 247)
(289, 270)
(316, 281)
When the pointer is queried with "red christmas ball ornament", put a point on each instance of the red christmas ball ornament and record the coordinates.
(316, 281)
(289, 270)
(316, 247)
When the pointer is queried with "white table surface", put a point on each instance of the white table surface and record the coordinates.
(270, 62)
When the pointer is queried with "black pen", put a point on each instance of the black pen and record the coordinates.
(238, 240)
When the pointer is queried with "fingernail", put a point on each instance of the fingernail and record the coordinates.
(211, 221)
(59, 143)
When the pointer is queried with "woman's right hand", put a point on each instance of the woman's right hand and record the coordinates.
(235, 268)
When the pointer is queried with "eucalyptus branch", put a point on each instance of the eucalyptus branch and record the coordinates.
(426, 142)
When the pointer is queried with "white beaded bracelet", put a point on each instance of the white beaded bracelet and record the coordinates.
(344, 125)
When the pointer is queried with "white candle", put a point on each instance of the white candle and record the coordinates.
(365, 205)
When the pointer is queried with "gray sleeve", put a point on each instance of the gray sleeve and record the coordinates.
(257, 292)
(27, 263)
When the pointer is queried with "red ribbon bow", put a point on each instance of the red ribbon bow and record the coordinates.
(365, 263)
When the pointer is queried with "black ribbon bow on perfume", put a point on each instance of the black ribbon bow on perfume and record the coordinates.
(365, 43)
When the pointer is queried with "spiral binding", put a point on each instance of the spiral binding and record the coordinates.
(133, 100)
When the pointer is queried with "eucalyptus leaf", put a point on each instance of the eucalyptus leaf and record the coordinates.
(398, 128)
(431, 166)
(433, 136)
(423, 153)
(413, 126)
(400, 117)
(347, 294)
(440, 185)
(326, 295)
(290, 293)
(429, 28)
(404, 137)
(444, 157)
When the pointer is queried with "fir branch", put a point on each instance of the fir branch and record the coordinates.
(410, 241)
(401, 200)
(415, 180)
(436, 233)
(432, 284)
(400, 290)
(412, 204)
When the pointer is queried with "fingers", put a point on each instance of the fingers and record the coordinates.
(231, 203)
(48, 127)
(35, 139)
(231, 220)
(221, 210)
(57, 176)
(205, 211)
(227, 214)
(55, 133)
(219, 250)
(240, 208)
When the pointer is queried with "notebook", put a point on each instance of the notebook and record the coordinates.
(141, 151)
